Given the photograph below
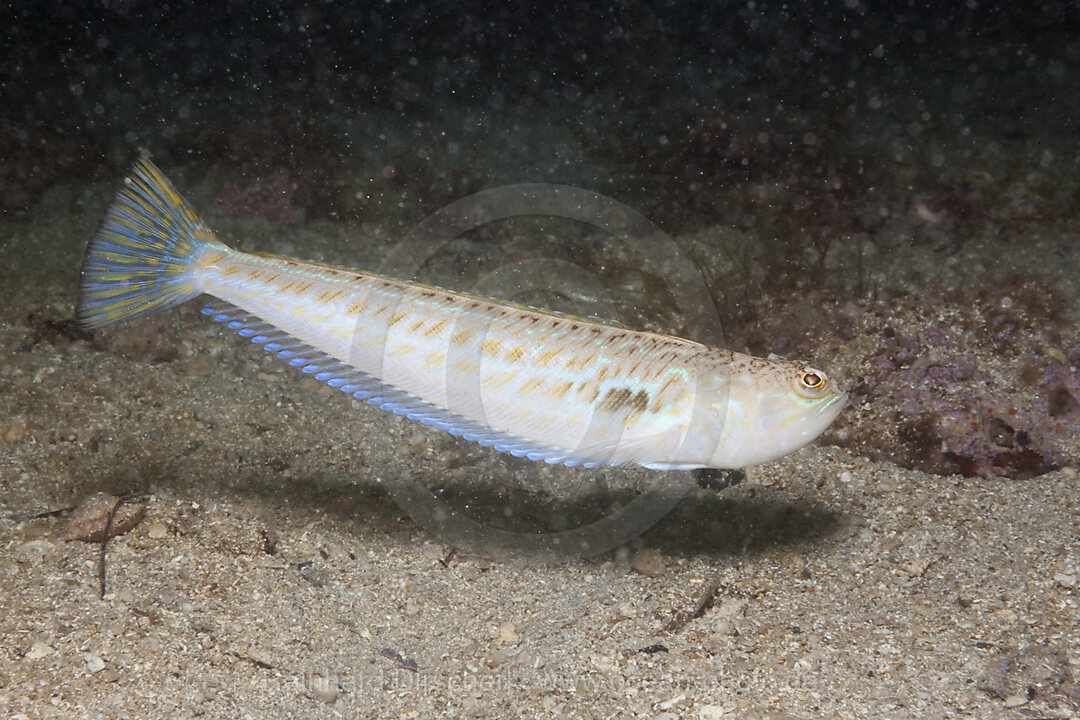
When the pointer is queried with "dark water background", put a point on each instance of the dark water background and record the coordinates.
(688, 99)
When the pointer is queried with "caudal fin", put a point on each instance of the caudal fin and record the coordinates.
(141, 256)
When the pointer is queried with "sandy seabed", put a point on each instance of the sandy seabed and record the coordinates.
(271, 576)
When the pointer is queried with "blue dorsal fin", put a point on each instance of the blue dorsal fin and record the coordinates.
(362, 386)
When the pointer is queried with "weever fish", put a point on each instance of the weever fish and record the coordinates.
(533, 383)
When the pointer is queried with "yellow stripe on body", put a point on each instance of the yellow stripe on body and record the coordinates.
(554, 379)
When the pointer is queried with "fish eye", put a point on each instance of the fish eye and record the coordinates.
(812, 379)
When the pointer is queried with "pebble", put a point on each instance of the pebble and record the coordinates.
(1015, 701)
(508, 634)
(87, 522)
(39, 650)
(15, 433)
(315, 576)
(157, 530)
(94, 663)
(1067, 580)
(648, 562)
(730, 607)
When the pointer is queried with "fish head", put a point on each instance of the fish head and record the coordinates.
(772, 408)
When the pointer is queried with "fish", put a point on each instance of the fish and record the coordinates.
(534, 383)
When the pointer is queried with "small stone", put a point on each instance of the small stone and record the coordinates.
(1015, 701)
(1067, 580)
(39, 650)
(648, 562)
(268, 377)
(15, 432)
(94, 663)
(730, 608)
(315, 576)
(109, 675)
(87, 522)
(508, 634)
(157, 530)
(711, 712)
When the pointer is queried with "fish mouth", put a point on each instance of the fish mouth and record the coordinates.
(826, 413)
(835, 404)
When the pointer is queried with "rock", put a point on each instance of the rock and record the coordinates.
(648, 562)
(1067, 580)
(39, 650)
(157, 530)
(15, 432)
(1015, 701)
(94, 663)
(87, 522)
(508, 634)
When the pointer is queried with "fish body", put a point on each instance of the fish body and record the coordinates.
(536, 384)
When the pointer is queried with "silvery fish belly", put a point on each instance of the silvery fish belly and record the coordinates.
(536, 384)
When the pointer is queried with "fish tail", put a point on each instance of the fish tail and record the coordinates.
(143, 254)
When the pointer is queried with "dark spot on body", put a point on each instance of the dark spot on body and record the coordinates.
(618, 398)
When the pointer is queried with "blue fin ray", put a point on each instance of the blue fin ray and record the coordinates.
(367, 388)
